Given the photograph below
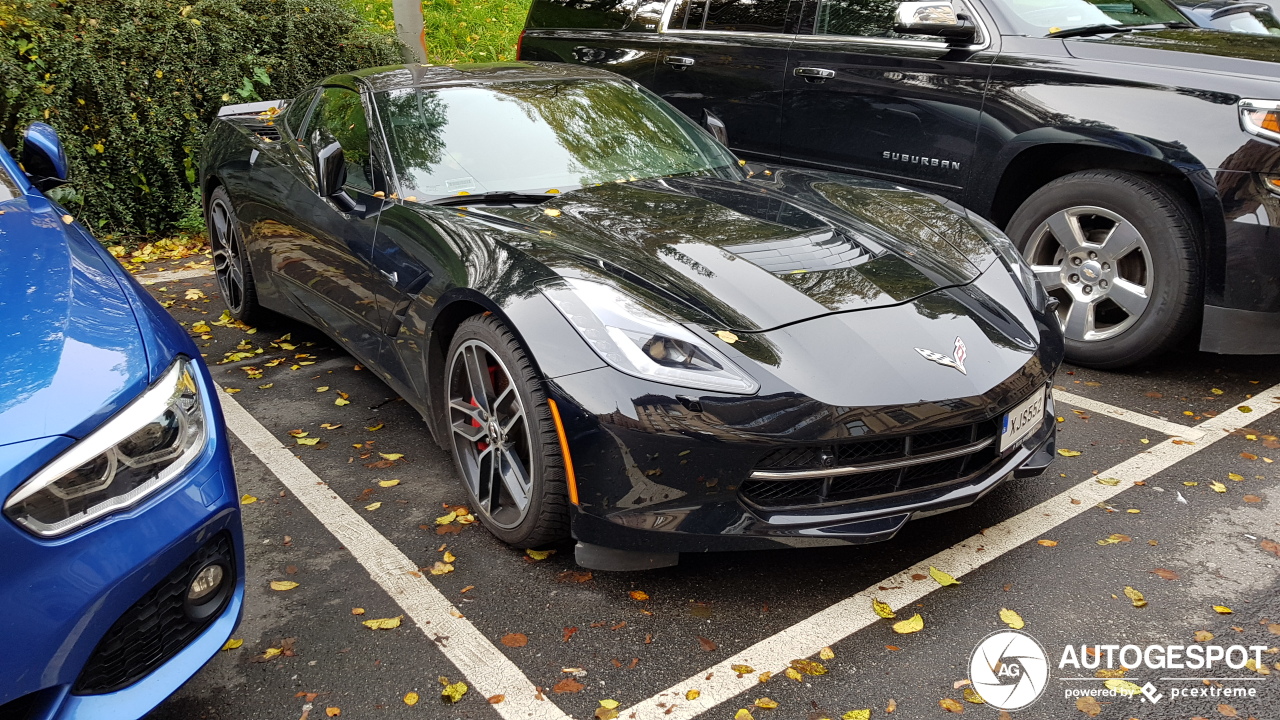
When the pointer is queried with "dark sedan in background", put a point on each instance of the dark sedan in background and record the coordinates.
(1134, 160)
(623, 334)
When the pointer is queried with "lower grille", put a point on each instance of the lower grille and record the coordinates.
(158, 626)
(884, 466)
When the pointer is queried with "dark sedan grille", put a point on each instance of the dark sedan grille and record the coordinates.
(155, 629)
(838, 488)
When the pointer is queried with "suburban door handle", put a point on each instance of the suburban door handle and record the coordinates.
(812, 74)
(679, 61)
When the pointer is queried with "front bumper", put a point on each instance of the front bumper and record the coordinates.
(1242, 295)
(59, 597)
(649, 487)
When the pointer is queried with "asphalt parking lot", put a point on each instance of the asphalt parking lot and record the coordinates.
(1173, 473)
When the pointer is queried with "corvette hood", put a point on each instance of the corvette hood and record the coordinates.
(761, 255)
(73, 351)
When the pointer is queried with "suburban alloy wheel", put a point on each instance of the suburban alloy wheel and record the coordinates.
(503, 440)
(1118, 251)
(230, 262)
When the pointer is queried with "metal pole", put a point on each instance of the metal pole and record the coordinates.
(409, 28)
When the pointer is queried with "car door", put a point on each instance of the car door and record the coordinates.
(727, 58)
(863, 98)
(326, 265)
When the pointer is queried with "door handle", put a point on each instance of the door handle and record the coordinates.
(679, 61)
(814, 75)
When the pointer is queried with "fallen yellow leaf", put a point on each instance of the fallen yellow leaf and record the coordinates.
(742, 669)
(809, 667)
(1012, 619)
(1109, 481)
(307, 441)
(248, 499)
(743, 714)
(446, 519)
(232, 644)
(1203, 636)
(373, 506)
(951, 705)
(449, 557)
(1135, 596)
(340, 401)
(1217, 486)
(453, 693)
(692, 694)
(375, 428)
(388, 483)
(322, 388)
(1235, 476)
(1222, 609)
(411, 698)
(915, 623)
(766, 703)
(283, 585)
(639, 595)
(764, 676)
(1124, 687)
(882, 609)
(794, 674)
(441, 568)
(333, 711)
(539, 554)
(383, 623)
(1064, 453)
(391, 456)
(357, 611)
(942, 578)
(864, 714)
(1048, 543)
(971, 695)
(827, 653)
(270, 653)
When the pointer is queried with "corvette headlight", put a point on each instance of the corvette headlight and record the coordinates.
(1013, 260)
(642, 342)
(1261, 118)
(133, 454)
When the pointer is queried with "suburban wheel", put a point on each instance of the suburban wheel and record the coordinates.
(504, 442)
(230, 262)
(1118, 251)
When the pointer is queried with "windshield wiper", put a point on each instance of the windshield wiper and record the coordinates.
(1084, 30)
(491, 197)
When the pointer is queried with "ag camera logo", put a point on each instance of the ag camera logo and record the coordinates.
(1009, 670)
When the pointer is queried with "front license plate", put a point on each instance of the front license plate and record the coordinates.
(1022, 421)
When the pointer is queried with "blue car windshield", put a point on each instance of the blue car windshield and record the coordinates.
(535, 136)
(1041, 17)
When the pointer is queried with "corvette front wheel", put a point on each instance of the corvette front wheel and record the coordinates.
(502, 436)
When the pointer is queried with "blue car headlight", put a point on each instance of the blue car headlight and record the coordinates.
(130, 456)
(641, 341)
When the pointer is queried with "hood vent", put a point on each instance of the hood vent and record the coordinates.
(827, 250)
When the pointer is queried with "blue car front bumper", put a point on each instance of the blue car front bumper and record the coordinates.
(60, 598)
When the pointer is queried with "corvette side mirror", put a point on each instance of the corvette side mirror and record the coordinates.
(934, 17)
(43, 158)
(331, 175)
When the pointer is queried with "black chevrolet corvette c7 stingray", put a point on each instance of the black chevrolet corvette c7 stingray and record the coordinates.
(623, 334)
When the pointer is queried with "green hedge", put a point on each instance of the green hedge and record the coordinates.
(132, 85)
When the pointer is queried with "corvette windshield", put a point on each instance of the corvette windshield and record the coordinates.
(535, 136)
(1041, 17)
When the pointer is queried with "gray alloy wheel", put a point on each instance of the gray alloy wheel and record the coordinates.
(1120, 252)
(503, 440)
(230, 262)
(1098, 265)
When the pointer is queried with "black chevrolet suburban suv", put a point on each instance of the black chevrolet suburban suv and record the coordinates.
(1133, 158)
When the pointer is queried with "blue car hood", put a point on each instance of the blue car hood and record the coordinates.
(73, 351)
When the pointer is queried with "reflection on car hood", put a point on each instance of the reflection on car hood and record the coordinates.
(73, 351)
(1198, 49)
(760, 255)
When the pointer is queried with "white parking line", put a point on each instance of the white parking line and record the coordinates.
(164, 276)
(1129, 416)
(852, 614)
(485, 667)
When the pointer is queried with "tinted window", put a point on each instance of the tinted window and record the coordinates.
(296, 113)
(859, 18)
(339, 117)
(731, 15)
(539, 135)
(1038, 17)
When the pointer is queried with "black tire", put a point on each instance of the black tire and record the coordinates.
(485, 341)
(230, 260)
(1143, 301)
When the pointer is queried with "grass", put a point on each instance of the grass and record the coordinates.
(459, 31)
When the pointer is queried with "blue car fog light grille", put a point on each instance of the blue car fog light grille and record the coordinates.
(159, 625)
(799, 476)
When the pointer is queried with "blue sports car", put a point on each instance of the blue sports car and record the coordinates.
(121, 555)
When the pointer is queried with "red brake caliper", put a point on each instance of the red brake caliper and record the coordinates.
(493, 379)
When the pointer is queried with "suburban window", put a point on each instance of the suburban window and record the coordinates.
(339, 117)
(768, 16)
(860, 18)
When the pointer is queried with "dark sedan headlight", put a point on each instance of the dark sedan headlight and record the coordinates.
(1013, 260)
(140, 449)
(642, 342)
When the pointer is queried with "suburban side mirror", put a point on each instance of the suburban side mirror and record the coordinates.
(934, 17)
(331, 175)
(43, 159)
(715, 126)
